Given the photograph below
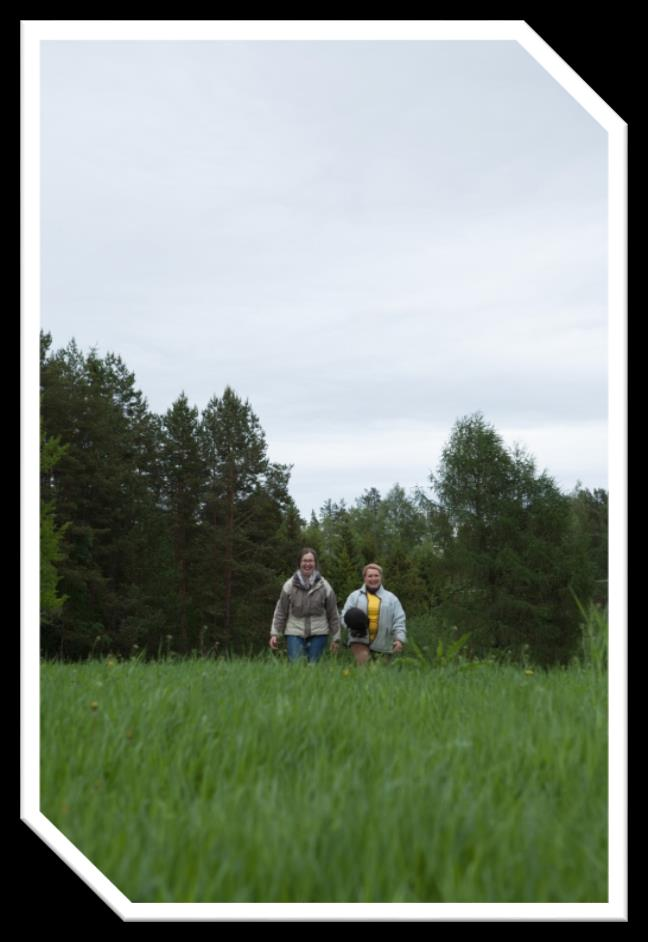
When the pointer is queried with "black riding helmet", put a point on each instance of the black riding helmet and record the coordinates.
(357, 622)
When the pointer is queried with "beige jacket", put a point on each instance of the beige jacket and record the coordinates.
(305, 611)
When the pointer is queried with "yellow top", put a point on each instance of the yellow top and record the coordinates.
(373, 609)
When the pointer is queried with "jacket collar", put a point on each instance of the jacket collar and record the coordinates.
(298, 579)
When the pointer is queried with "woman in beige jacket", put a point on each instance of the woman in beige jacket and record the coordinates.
(306, 613)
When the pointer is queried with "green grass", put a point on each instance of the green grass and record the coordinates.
(260, 781)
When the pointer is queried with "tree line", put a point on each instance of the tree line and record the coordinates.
(174, 532)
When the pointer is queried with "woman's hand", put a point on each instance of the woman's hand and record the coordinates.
(397, 646)
(274, 642)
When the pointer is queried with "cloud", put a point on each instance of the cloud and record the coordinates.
(366, 240)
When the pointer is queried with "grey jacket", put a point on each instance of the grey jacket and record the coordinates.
(391, 618)
(305, 612)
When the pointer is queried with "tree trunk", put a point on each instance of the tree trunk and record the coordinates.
(228, 568)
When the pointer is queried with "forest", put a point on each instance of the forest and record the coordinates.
(172, 534)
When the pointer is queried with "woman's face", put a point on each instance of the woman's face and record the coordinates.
(372, 578)
(307, 564)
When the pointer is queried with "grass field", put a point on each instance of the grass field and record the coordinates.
(258, 781)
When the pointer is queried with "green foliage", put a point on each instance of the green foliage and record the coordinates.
(589, 543)
(341, 560)
(312, 535)
(245, 530)
(503, 530)
(184, 479)
(594, 627)
(51, 535)
(441, 656)
(104, 487)
(179, 526)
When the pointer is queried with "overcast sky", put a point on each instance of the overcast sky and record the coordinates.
(367, 240)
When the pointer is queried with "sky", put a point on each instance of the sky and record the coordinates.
(366, 240)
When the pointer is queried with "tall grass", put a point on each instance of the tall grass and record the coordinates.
(255, 781)
(594, 634)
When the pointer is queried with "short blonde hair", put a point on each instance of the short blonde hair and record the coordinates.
(371, 566)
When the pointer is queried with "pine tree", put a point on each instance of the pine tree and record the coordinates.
(184, 479)
(342, 563)
(246, 498)
(312, 535)
(51, 535)
(291, 537)
(105, 488)
(368, 523)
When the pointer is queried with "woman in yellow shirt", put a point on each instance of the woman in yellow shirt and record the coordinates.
(374, 617)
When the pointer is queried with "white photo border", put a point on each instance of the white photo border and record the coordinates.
(33, 33)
